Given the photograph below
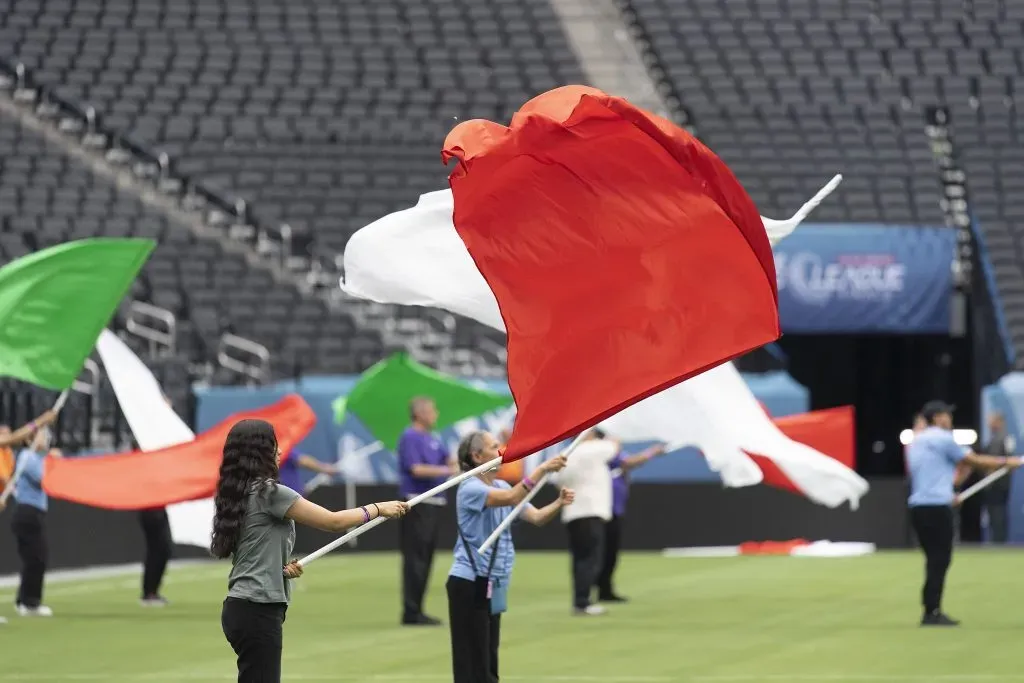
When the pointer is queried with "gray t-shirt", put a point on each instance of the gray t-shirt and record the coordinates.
(264, 546)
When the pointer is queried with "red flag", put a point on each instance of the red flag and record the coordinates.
(831, 432)
(624, 255)
(138, 480)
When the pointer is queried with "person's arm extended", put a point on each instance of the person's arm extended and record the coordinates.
(424, 471)
(312, 515)
(310, 463)
(990, 462)
(540, 517)
(631, 462)
(497, 498)
(413, 457)
(25, 432)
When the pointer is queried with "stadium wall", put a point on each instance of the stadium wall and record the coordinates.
(660, 516)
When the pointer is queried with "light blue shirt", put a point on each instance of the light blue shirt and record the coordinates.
(477, 522)
(28, 489)
(931, 460)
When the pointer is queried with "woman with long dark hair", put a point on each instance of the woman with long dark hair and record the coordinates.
(254, 525)
(478, 583)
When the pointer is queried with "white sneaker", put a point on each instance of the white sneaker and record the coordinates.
(591, 611)
(156, 601)
(41, 611)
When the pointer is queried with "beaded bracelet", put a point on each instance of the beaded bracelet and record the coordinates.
(366, 514)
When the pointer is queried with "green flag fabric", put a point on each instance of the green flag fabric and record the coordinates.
(380, 399)
(54, 304)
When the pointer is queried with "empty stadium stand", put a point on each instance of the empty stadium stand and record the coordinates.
(790, 91)
(319, 115)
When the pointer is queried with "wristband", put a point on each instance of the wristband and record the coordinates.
(528, 483)
(366, 514)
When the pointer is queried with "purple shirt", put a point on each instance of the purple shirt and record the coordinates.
(418, 448)
(288, 472)
(620, 487)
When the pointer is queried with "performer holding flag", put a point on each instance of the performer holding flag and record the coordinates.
(29, 525)
(254, 525)
(478, 583)
(934, 460)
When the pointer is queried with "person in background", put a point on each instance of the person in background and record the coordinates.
(996, 497)
(29, 525)
(935, 462)
(7, 460)
(254, 525)
(9, 439)
(621, 465)
(156, 533)
(291, 466)
(423, 463)
(478, 584)
(588, 474)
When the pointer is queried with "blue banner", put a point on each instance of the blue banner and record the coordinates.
(351, 445)
(865, 278)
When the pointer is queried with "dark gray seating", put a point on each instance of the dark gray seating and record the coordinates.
(47, 197)
(321, 115)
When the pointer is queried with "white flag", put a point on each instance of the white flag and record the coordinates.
(154, 425)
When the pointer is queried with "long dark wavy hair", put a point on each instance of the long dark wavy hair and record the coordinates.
(250, 458)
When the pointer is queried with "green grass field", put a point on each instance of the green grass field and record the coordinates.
(739, 620)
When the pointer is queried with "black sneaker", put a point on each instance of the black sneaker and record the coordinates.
(937, 618)
(611, 597)
(421, 620)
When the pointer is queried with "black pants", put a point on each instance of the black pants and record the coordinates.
(586, 543)
(156, 529)
(255, 632)
(29, 526)
(418, 530)
(933, 525)
(612, 543)
(476, 633)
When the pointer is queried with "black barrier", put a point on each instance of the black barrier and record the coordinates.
(660, 516)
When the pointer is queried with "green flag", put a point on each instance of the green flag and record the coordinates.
(380, 399)
(54, 304)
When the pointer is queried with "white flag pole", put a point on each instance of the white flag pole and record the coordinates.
(9, 489)
(984, 483)
(507, 522)
(61, 400)
(362, 529)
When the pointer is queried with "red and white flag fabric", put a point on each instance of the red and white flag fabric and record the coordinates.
(620, 255)
(717, 413)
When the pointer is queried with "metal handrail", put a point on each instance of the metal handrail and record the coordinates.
(259, 371)
(166, 338)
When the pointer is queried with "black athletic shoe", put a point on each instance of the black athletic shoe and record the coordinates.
(421, 620)
(938, 619)
(612, 597)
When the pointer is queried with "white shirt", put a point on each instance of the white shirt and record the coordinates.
(588, 474)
